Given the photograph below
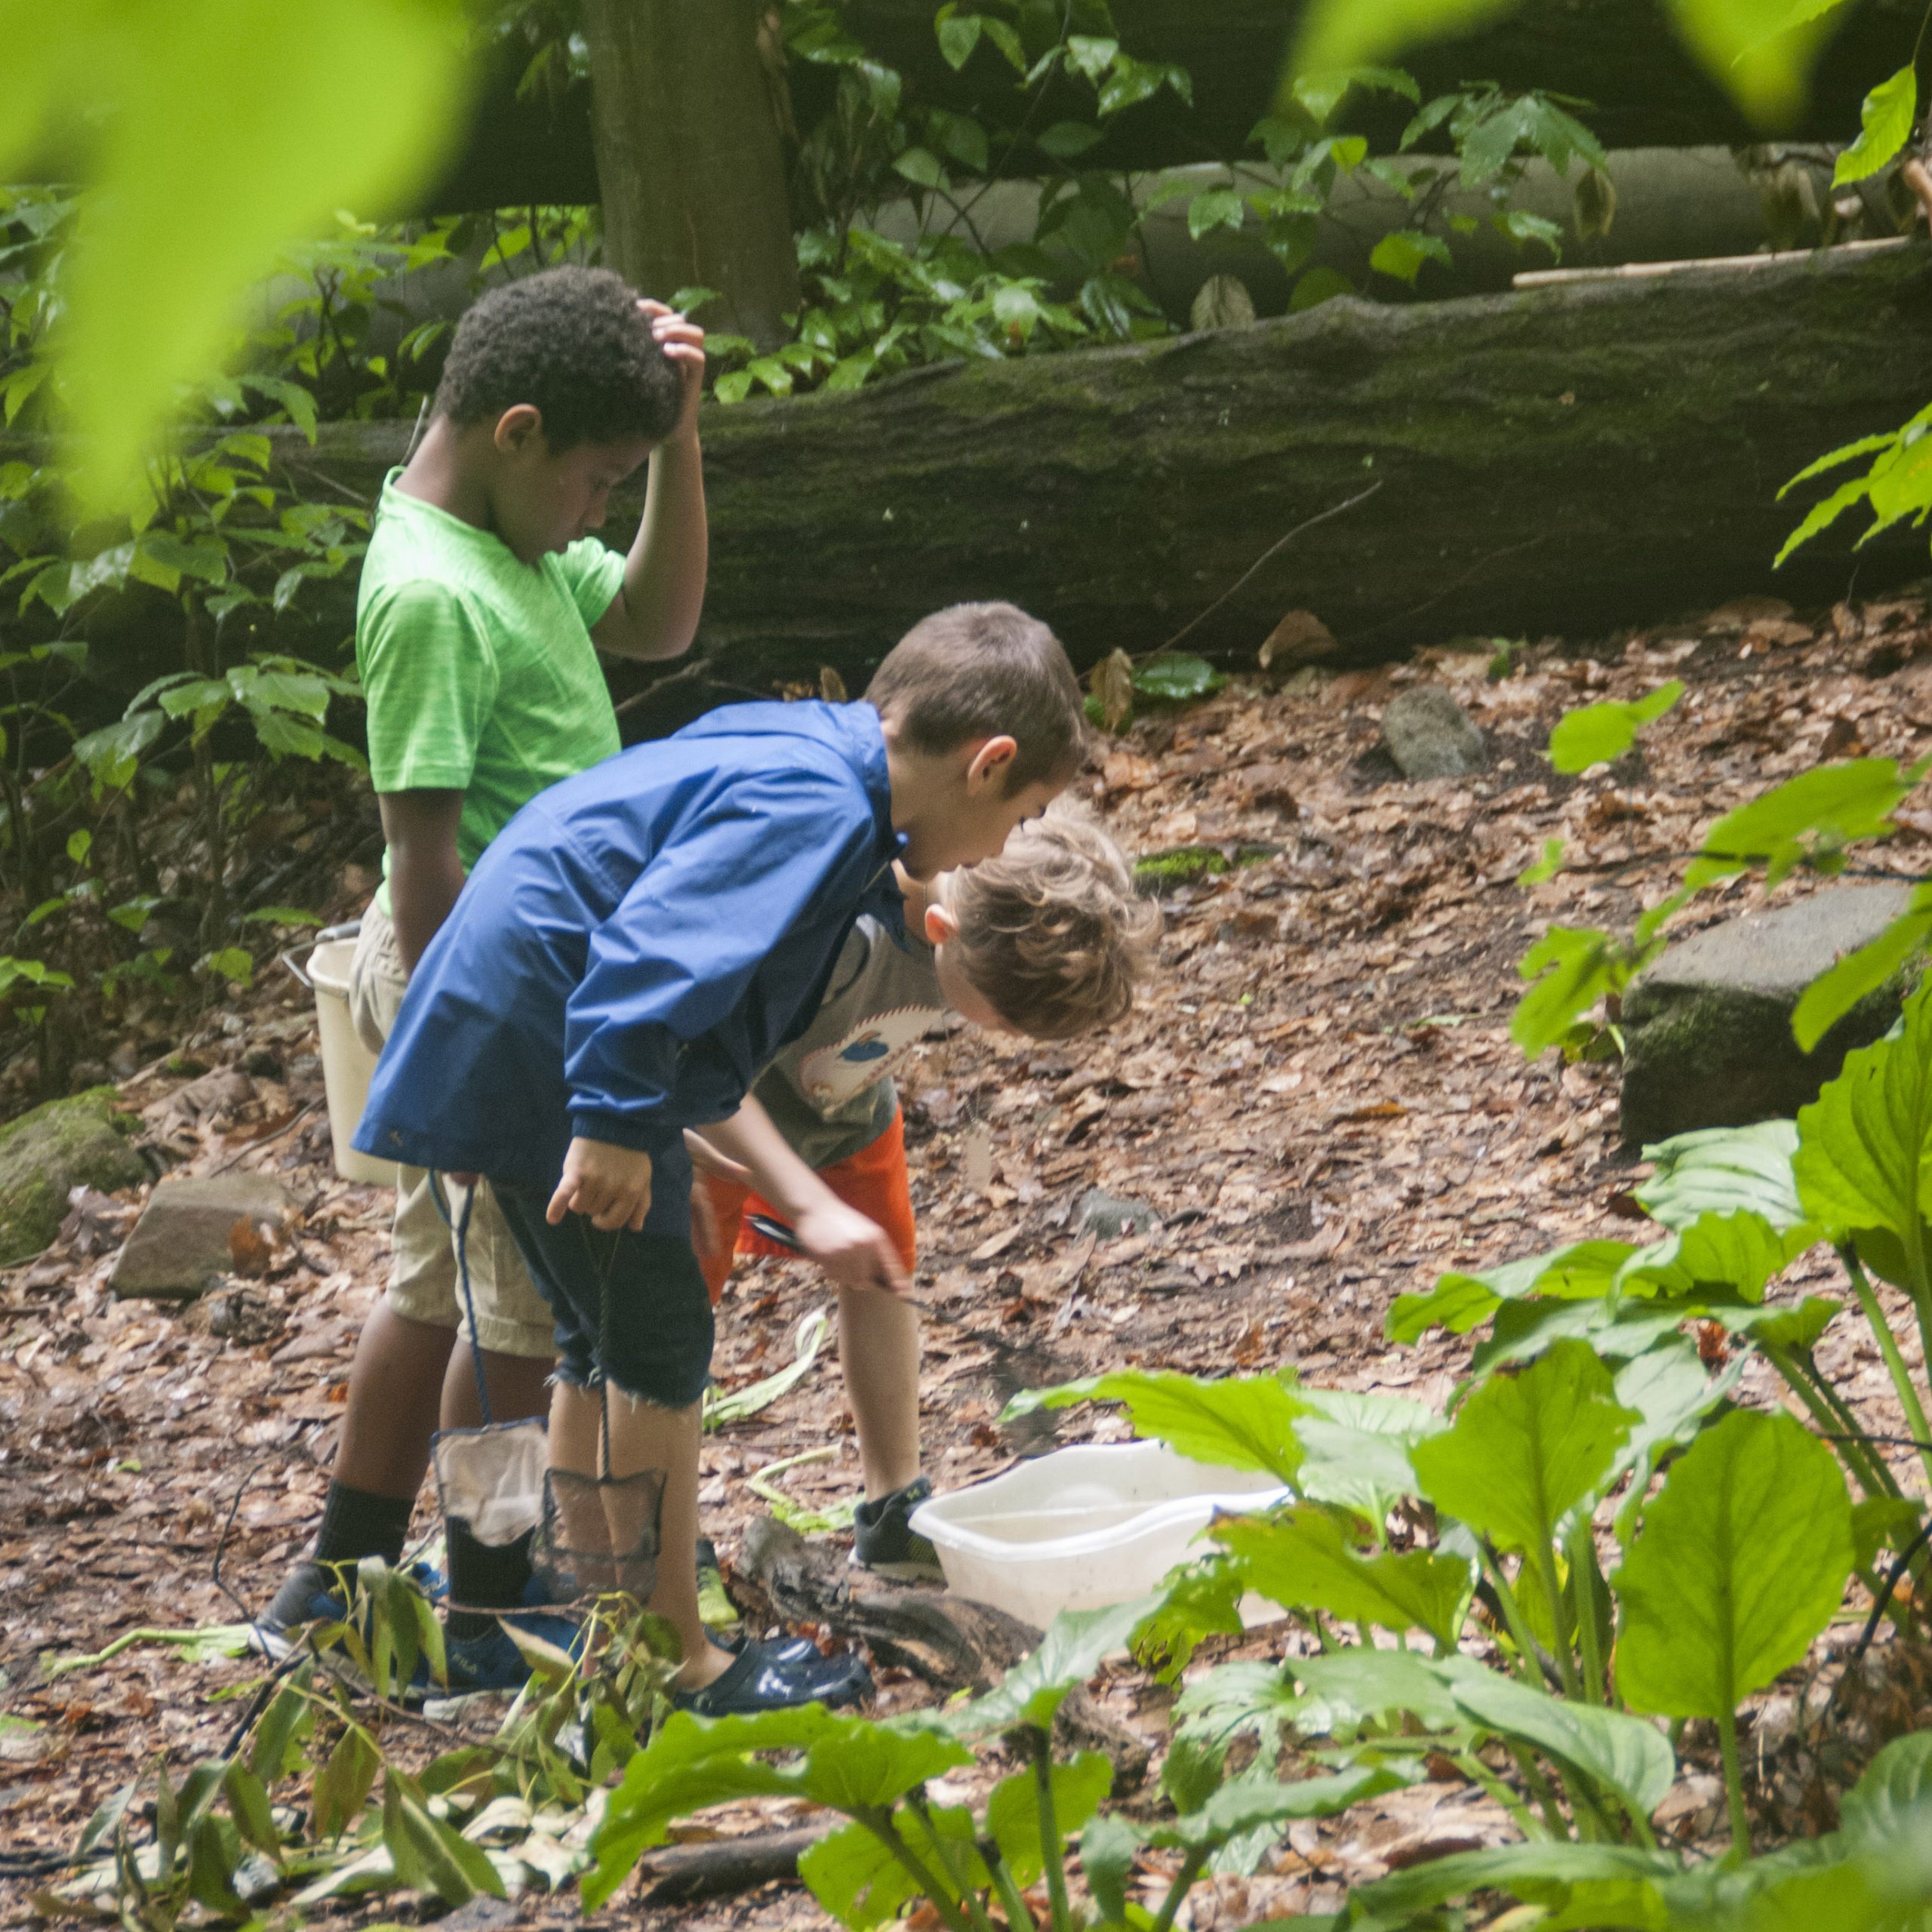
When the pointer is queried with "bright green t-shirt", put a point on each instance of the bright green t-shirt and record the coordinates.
(478, 669)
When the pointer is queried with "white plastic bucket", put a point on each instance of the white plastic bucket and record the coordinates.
(347, 1064)
(1097, 1524)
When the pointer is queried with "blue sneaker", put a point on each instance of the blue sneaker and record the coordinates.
(312, 1593)
(492, 1661)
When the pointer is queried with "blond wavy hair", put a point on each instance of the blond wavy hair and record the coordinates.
(1051, 932)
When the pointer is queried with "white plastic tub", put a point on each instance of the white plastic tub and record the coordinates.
(1099, 1523)
(347, 1064)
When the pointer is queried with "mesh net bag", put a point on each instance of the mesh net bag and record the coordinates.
(491, 1479)
(599, 1534)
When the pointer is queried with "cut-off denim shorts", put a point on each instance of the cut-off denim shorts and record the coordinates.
(630, 1309)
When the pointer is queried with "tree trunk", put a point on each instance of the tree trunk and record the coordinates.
(689, 168)
(1570, 458)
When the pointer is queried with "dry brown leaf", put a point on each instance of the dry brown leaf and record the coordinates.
(1300, 638)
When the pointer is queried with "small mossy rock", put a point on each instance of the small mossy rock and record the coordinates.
(1110, 1216)
(1429, 735)
(180, 1245)
(64, 1144)
(1707, 1027)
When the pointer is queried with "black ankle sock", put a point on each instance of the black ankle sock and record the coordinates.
(357, 1523)
(483, 1575)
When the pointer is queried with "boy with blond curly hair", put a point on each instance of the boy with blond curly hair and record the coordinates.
(1047, 941)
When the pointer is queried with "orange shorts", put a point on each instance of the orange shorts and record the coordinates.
(873, 1180)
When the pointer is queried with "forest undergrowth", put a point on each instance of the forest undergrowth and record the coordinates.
(1319, 1098)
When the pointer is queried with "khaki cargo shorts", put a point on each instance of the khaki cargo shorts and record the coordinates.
(512, 1317)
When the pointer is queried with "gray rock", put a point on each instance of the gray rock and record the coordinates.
(45, 1154)
(1102, 1214)
(1707, 1028)
(1429, 735)
(181, 1244)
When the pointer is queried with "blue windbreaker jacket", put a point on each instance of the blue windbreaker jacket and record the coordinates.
(637, 943)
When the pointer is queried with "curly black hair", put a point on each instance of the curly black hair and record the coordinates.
(571, 342)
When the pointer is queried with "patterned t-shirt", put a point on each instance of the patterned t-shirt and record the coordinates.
(831, 1091)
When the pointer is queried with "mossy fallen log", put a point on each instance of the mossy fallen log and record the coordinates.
(1567, 459)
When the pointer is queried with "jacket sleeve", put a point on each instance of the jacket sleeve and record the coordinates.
(679, 952)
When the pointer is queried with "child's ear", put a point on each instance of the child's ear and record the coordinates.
(989, 763)
(519, 428)
(942, 928)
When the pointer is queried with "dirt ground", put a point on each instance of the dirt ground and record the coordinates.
(1318, 1097)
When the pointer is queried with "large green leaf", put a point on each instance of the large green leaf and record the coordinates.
(1307, 1558)
(1033, 1691)
(1526, 1449)
(1617, 1330)
(1836, 991)
(1885, 119)
(1246, 1422)
(1739, 1253)
(1583, 1270)
(858, 1880)
(1893, 1795)
(1595, 734)
(209, 133)
(1864, 1162)
(1622, 1753)
(1013, 1810)
(1724, 1170)
(1741, 1561)
(1356, 1449)
(1348, 1688)
(1541, 1873)
(692, 1762)
(1815, 814)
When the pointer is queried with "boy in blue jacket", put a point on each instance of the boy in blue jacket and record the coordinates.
(629, 953)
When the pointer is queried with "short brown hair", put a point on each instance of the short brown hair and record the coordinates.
(976, 670)
(1051, 932)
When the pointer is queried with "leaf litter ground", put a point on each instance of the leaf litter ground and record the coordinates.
(1318, 1097)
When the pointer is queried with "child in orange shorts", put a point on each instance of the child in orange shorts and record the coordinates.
(1048, 939)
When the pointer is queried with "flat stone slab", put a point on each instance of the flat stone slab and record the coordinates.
(1429, 735)
(45, 1154)
(1707, 1027)
(180, 1245)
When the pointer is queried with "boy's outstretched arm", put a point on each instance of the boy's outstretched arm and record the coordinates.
(655, 614)
(854, 1251)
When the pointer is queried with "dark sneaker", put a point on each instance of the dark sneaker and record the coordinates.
(883, 1541)
(492, 1661)
(779, 1676)
(312, 1593)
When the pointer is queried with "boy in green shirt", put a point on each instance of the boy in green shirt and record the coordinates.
(484, 603)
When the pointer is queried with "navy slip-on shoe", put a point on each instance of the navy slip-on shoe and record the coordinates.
(779, 1676)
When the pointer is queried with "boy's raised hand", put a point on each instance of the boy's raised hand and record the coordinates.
(683, 344)
(855, 1252)
(611, 1184)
